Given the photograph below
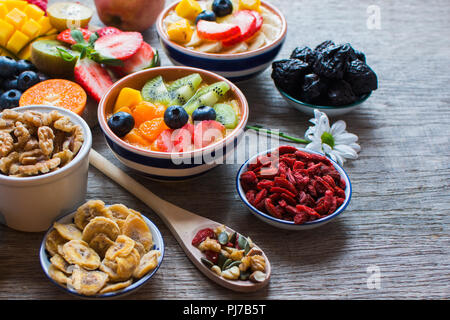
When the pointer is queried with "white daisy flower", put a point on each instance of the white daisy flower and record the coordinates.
(335, 142)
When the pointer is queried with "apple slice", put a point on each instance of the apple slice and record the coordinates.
(247, 23)
(216, 31)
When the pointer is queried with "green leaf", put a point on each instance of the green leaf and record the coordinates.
(93, 38)
(77, 35)
(65, 55)
(83, 53)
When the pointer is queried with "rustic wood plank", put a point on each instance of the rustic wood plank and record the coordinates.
(399, 214)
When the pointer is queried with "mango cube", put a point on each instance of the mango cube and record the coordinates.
(188, 9)
(180, 31)
(6, 30)
(45, 25)
(250, 5)
(16, 17)
(128, 97)
(18, 4)
(33, 12)
(17, 41)
(3, 10)
(31, 28)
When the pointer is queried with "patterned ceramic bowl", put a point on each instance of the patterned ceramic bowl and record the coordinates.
(290, 225)
(235, 67)
(165, 165)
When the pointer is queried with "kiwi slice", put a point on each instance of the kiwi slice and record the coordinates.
(226, 115)
(155, 90)
(181, 90)
(46, 57)
(69, 15)
(207, 96)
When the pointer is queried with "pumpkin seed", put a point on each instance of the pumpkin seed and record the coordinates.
(226, 264)
(242, 242)
(207, 263)
(221, 260)
(247, 248)
(234, 263)
(223, 238)
(233, 238)
(244, 275)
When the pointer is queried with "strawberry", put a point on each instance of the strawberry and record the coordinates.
(120, 46)
(216, 31)
(93, 78)
(66, 37)
(40, 3)
(146, 57)
(164, 141)
(259, 19)
(207, 132)
(179, 140)
(108, 30)
(247, 23)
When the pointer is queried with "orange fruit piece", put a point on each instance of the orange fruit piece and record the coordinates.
(145, 111)
(56, 92)
(124, 109)
(135, 138)
(151, 129)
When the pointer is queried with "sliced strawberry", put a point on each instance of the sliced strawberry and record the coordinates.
(107, 31)
(164, 141)
(66, 37)
(183, 138)
(93, 78)
(259, 19)
(120, 46)
(207, 132)
(247, 25)
(146, 57)
(216, 31)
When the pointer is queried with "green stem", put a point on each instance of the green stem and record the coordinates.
(281, 134)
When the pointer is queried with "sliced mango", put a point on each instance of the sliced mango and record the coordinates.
(180, 31)
(45, 25)
(188, 9)
(250, 5)
(128, 97)
(3, 10)
(17, 41)
(33, 12)
(16, 17)
(19, 4)
(31, 28)
(6, 31)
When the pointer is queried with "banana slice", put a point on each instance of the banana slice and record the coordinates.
(110, 268)
(88, 282)
(121, 248)
(52, 242)
(57, 275)
(101, 225)
(119, 211)
(61, 264)
(101, 243)
(240, 47)
(90, 210)
(136, 228)
(210, 47)
(257, 42)
(68, 231)
(195, 40)
(140, 248)
(270, 31)
(116, 286)
(148, 262)
(127, 265)
(78, 252)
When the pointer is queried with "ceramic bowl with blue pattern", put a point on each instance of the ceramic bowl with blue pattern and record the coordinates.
(165, 165)
(233, 66)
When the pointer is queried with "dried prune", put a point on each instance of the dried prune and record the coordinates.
(361, 77)
(340, 93)
(304, 54)
(360, 55)
(313, 87)
(332, 61)
(324, 45)
(288, 74)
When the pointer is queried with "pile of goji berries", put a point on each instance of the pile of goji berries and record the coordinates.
(293, 185)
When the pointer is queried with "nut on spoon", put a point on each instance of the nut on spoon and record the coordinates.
(183, 224)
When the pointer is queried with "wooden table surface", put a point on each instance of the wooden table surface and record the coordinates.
(399, 214)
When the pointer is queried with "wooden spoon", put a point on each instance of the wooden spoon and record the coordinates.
(182, 223)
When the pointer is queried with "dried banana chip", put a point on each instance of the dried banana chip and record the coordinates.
(88, 211)
(127, 265)
(57, 275)
(119, 211)
(148, 262)
(136, 228)
(52, 242)
(110, 268)
(68, 231)
(140, 248)
(61, 264)
(101, 225)
(116, 286)
(100, 243)
(121, 248)
(88, 282)
(78, 252)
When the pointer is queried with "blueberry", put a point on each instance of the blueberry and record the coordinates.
(222, 7)
(9, 84)
(24, 65)
(121, 123)
(175, 117)
(204, 113)
(27, 79)
(206, 15)
(8, 67)
(10, 99)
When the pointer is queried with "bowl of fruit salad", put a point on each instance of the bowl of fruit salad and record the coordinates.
(173, 123)
(237, 39)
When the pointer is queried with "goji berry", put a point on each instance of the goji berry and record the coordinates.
(212, 256)
(249, 178)
(250, 195)
(264, 184)
(287, 149)
(288, 198)
(301, 218)
(261, 195)
(281, 190)
(283, 183)
(271, 209)
(202, 235)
